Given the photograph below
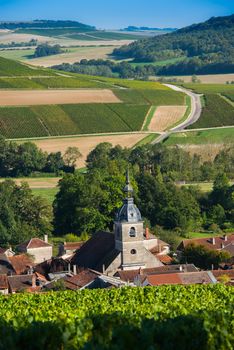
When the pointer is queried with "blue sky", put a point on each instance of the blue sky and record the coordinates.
(118, 13)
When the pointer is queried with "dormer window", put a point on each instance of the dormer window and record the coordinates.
(132, 232)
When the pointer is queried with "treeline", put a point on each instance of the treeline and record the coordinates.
(44, 24)
(32, 42)
(26, 159)
(88, 202)
(47, 50)
(108, 68)
(209, 48)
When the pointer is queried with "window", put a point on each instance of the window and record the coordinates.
(132, 232)
(133, 251)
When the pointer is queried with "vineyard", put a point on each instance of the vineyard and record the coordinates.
(56, 120)
(165, 318)
(217, 112)
(154, 97)
(13, 68)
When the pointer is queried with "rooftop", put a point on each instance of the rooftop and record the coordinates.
(33, 243)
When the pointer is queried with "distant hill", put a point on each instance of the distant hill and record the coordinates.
(44, 24)
(137, 29)
(206, 47)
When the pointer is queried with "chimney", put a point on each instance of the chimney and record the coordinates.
(147, 233)
(213, 241)
(46, 238)
(181, 268)
(33, 281)
(69, 268)
(225, 237)
(222, 245)
(103, 268)
(74, 270)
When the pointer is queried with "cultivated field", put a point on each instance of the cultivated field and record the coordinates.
(86, 144)
(38, 183)
(52, 97)
(166, 116)
(205, 79)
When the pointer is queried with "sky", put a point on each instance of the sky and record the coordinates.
(114, 14)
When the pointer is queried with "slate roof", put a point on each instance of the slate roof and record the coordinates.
(82, 279)
(94, 251)
(21, 263)
(33, 243)
(167, 269)
(219, 243)
(3, 282)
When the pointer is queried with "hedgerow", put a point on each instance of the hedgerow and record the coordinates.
(164, 318)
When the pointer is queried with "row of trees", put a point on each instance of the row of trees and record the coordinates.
(26, 158)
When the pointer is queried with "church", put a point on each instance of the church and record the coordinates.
(129, 247)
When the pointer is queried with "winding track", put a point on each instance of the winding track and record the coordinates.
(195, 114)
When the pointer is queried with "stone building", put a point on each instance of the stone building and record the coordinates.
(39, 249)
(127, 248)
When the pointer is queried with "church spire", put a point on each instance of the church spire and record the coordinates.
(128, 187)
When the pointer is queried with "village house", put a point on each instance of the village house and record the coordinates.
(69, 248)
(224, 243)
(3, 284)
(15, 265)
(40, 250)
(129, 247)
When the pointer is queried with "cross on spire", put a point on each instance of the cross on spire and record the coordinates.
(128, 187)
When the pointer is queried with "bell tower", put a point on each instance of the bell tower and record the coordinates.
(129, 232)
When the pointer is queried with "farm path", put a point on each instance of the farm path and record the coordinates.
(196, 109)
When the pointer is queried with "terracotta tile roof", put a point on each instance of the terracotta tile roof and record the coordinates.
(73, 245)
(21, 282)
(165, 259)
(156, 280)
(21, 263)
(94, 250)
(219, 273)
(34, 243)
(3, 282)
(130, 275)
(200, 277)
(82, 279)
(214, 243)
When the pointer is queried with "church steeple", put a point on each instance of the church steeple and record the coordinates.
(129, 211)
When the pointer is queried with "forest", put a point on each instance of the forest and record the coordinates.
(207, 48)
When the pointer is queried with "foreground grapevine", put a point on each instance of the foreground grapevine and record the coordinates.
(168, 317)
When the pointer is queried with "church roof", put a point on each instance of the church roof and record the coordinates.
(129, 212)
(94, 251)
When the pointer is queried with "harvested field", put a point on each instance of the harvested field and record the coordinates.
(41, 182)
(207, 152)
(207, 79)
(51, 97)
(86, 144)
(166, 116)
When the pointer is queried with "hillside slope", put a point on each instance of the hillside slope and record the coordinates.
(208, 48)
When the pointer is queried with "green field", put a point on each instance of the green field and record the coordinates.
(46, 193)
(217, 112)
(219, 136)
(81, 34)
(12, 68)
(210, 88)
(166, 317)
(57, 120)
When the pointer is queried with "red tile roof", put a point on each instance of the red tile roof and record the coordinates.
(82, 279)
(3, 282)
(214, 243)
(34, 243)
(21, 282)
(73, 245)
(219, 273)
(167, 269)
(156, 280)
(165, 259)
(200, 277)
(21, 263)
